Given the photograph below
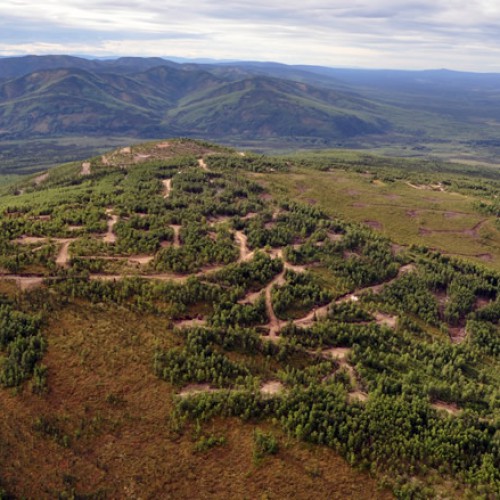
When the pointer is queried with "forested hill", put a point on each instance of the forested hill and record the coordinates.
(243, 103)
(170, 328)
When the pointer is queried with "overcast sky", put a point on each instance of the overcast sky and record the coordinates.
(419, 34)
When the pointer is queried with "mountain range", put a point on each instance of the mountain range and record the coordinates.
(63, 96)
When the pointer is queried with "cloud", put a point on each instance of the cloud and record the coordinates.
(391, 33)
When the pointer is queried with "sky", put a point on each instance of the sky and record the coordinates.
(418, 34)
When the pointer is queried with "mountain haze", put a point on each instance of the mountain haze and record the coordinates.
(252, 104)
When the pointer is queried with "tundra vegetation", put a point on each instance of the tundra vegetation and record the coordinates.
(243, 308)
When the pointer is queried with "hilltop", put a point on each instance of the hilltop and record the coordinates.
(175, 322)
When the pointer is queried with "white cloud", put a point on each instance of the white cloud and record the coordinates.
(391, 33)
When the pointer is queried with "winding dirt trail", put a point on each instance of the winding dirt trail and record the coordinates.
(167, 187)
(427, 187)
(314, 315)
(63, 257)
(245, 253)
(340, 354)
(274, 324)
(473, 231)
(131, 259)
(110, 236)
(177, 234)
(25, 283)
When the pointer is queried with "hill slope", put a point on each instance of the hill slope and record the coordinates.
(172, 329)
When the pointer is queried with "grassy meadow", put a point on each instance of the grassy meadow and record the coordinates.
(445, 221)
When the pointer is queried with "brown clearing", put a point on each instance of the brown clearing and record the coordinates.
(106, 398)
(85, 168)
(457, 334)
(190, 323)
(110, 236)
(30, 240)
(131, 259)
(250, 298)
(202, 164)
(193, 389)
(431, 187)
(274, 323)
(41, 178)
(250, 215)
(63, 257)
(473, 231)
(450, 408)
(25, 283)
(339, 353)
(245, 253)
(335, 237)
(373, 224)
(167, 187)
(177, 232)
(386, 319)
(271, 388)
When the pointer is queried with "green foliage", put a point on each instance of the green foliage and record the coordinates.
(22, 344)
(265, 443)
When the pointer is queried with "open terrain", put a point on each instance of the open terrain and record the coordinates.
(173, 307)
(407, 213)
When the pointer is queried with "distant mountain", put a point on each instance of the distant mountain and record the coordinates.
(269, 107)
(103, 98)
(65, 96)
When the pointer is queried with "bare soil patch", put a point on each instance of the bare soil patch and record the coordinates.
(271, 388)
(386, 320)
(177, 232)
(274, 324)
(167, 187)
(457, 334)
(63, 257)
(25, 283)
(29, 240)
(245, 253)
(85, 168)
(335, 237)
(110, 236)
(450, 408)
(373, 224)
(358, 396)
(250, 298)
(339, 353)
(193, 389)
(202, 164)
(41, 178)
(190, 323)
